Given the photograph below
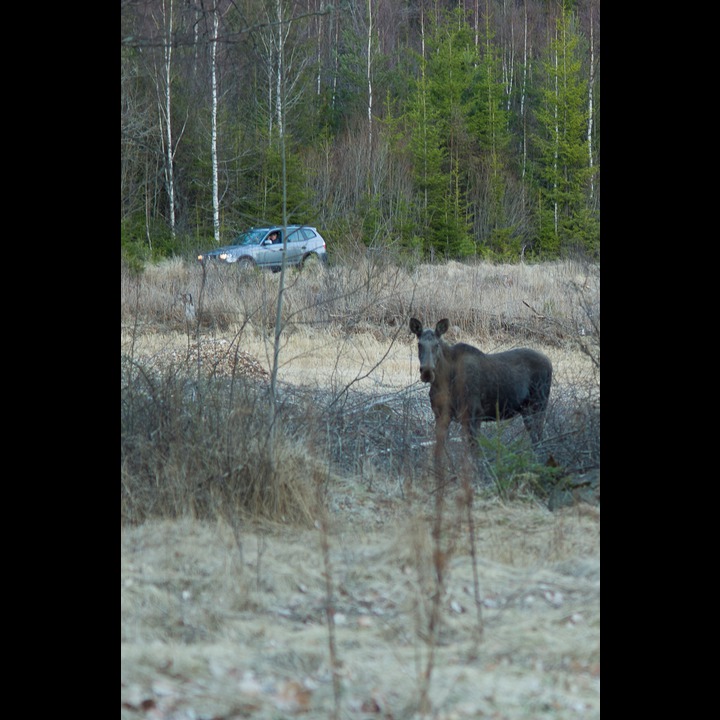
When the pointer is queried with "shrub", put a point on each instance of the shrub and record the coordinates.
(201, 447)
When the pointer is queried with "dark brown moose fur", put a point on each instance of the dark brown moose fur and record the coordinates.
(470, 386)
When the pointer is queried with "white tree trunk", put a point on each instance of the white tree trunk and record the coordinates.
(523, 91)
(591, 82)
(556, 156)
(213, 138)
(424, 108)
(318, 50)
(369, 78)
(279, 70)
(336, 58)
(476, 24)
(167, 58)
(510, 58)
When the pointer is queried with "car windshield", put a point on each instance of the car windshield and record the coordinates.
(251, 237)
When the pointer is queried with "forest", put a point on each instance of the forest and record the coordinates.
(429, 128)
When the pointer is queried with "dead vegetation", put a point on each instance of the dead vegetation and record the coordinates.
(210, 632)
(319, 569)
(551, 304)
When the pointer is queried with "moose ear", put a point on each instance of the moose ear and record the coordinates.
(442, 327)
(416, 326)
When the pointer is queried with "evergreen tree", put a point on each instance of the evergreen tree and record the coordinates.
(562, 170)
(490, 124)
(440, 137)
(265, 205)
(437, 171)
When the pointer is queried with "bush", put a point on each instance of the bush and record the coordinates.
(201, 447)
(512, 467)
(141, 243)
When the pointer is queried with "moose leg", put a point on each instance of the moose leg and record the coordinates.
(471, 431)
(471, 456)
(534, 425)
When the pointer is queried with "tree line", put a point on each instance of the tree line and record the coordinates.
(442, 128)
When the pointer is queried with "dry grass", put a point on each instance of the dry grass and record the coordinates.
(340, 321)
(347, 369)
(206, 632)
(483, 301)
(309, 571)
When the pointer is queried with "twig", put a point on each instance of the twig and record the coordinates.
(329, 605)
(540, 315)
(467, 487)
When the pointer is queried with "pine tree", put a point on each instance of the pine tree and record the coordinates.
(490, 124)
(440, 137)
(563, 171)
(266, 206)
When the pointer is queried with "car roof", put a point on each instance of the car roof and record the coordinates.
(280, 227)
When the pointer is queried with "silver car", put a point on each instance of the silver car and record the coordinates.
(263, 247)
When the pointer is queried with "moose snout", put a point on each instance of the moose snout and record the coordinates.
(427, 374)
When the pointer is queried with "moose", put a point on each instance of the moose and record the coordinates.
(471, 387)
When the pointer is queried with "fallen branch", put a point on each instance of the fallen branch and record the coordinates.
(539, 315)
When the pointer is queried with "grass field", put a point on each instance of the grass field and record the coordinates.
(293, 555)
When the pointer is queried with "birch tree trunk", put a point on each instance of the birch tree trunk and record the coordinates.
(281, 35)
(213, 137)
(273, 42)
(369, 84)
(165, 111)
(336, 54)
(319, 53)
(509, 56)
(476, 24)
(523, 91)
(424, 108)
(556, 153)
(591, 83)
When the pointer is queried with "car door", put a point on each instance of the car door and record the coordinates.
(295, 246)
(270, 253)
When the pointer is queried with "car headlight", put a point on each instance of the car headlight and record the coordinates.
(223, 256)
(200, 258)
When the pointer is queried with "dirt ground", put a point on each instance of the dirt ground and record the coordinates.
(217, 624)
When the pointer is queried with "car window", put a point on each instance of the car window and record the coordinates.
(251, 237)
(300, 235)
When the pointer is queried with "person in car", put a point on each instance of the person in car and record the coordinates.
(274, 238)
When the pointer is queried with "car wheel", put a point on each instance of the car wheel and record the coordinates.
(245, 263)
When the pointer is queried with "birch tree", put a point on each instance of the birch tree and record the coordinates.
(370, 79)
(214, 115)
(214, 88)
(220, 96)
(164, 86)
(284, 64)
(524, 90)
(591, 96)
(563, 170)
